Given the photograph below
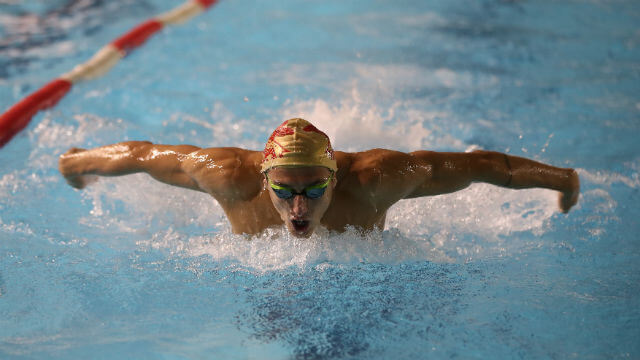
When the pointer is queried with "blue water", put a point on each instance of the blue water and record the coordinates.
(130, 268)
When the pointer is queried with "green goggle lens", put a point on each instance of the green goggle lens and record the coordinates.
(311, 192)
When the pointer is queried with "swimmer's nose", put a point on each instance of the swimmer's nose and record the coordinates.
(300, 207)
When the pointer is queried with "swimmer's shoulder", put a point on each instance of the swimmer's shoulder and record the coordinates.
(370, 162)
(223, 168)
(386, 175)
(360, 170)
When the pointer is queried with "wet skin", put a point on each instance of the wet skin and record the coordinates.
(365, 186)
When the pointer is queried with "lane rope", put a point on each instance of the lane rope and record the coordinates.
(19, 115)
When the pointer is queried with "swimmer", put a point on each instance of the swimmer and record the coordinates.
(299, 181)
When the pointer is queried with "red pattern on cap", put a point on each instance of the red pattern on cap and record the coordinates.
(282, 130)
(328, 150)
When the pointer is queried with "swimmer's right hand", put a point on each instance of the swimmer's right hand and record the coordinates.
(569, 197)
(69, 166)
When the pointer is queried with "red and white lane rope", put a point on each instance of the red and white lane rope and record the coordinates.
(19, 115)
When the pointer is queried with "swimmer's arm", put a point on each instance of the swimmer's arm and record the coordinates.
(163, 162)
(448, 172)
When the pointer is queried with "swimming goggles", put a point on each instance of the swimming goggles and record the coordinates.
(311, 192)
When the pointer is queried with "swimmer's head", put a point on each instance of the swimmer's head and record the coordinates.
(299, 168)
(296, 142)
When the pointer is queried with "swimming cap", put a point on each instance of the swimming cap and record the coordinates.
(296, 142)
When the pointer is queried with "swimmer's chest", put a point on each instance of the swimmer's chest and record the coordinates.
(348, 210)
(252, 215)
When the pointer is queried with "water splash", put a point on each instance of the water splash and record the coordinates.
(356, 124)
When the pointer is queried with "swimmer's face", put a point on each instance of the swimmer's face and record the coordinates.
(300, 213)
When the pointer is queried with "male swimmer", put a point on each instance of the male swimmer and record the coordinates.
(299, 181)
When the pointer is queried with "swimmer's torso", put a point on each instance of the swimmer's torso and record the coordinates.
(232, 176)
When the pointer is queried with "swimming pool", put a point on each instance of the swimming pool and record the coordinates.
(129, 268)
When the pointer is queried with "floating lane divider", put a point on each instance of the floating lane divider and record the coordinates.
(19, 115)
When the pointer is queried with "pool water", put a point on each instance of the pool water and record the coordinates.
(131, 268)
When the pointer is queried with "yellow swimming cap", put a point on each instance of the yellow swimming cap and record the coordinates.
(296, 142)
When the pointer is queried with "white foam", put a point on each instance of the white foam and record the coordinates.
(146, 200)
(277, 249)
(481, 209)
(15, 228)
(89, 129)
(609, 178)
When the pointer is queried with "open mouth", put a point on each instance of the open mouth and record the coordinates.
(300, 225)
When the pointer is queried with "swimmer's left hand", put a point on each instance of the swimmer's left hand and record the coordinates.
(569, 197)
